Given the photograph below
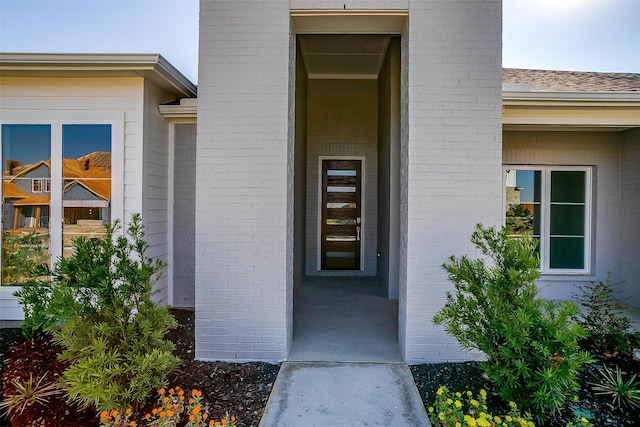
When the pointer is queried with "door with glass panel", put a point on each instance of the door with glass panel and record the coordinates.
(341, 228)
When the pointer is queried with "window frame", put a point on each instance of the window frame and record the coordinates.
(545, 213)
(56, 120)
(40, 182)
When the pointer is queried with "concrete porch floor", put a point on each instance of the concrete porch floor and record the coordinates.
(344, 319)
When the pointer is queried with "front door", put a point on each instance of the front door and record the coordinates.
(341, 228)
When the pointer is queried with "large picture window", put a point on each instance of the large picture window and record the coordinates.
(553, 204)
(56, 186)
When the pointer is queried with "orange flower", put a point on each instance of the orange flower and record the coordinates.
(205, 415)
(233, 418)
(170, 413)
(103, 415)
(128, 411)
(154, 411)
(165, 400)
(196, 409)
(191, 401)
(171, 391)
(181, 398)
(224, 421)
(147, 416)
(132, 423)
(161, 391)
(180, 391)
(191, 418)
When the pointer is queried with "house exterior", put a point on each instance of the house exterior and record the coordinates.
(340, 139)
(83, 143)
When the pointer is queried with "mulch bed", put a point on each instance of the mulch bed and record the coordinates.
(242, 390)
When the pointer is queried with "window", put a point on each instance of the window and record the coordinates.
(77, 157)
(553, 204)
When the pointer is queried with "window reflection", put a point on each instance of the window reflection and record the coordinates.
(26, 183)
(86, 171)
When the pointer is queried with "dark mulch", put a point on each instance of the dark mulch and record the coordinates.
(241, 390)
(469, 376)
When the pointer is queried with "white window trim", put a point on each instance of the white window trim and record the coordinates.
(33, 185)
(545, 212)
(56, 120)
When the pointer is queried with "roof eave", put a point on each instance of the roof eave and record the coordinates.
(152, 66)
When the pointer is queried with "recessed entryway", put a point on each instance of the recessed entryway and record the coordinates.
(339, 319)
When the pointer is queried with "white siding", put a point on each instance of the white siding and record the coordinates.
(453, 158)
(71, 100)
(184, 217)
(242, 180)
(629, 270)
(601, 150)
(155, 209)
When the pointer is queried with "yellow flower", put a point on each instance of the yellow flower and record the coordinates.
(458, 394)
(471, 422)
(449, 401)
(458, 424)
(508, 418)
(469, 394)
(483, 393)
(431, 409)
(513, 405)
(440, 391)
(458, 404)
(497, 419)
(474, 402)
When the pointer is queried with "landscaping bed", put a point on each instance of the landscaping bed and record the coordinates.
(240, 389)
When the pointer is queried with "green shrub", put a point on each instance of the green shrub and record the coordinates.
(602, 318)
(99, 306)
(531, 344)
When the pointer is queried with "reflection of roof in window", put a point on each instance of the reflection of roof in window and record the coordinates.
(33, 201)
(101, 189)
(92, 165)
(11, 191)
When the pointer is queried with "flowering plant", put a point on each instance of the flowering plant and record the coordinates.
(174, 408)
(462, 409)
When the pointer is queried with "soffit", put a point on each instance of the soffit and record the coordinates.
(340, 44)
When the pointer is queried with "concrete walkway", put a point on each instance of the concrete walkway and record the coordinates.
(315, 394)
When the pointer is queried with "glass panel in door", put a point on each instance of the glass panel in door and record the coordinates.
(341, 221)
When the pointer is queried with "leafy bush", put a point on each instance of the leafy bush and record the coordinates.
(21, 254)
(457, 409)
(531, 344)
(99, 306)
(603, 320)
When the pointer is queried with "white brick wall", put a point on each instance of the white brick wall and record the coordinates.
(241, 179)
(454, 154)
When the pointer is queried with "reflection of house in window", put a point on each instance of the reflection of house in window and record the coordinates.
(86, 197)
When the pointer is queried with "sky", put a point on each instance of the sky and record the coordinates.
(578, 35)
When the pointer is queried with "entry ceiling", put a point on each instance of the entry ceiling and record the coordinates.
(349, 56)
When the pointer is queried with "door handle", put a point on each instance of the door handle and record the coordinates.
(358, 233)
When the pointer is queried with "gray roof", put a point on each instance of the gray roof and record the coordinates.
(572, 81)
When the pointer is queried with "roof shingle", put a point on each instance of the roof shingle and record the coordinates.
(572, 81)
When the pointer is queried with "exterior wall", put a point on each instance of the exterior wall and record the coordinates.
(629, 269)
(242, 181)
(453, 163)
(299, 173)
(184, 217)
(111, 100)
(600, 150)
(389, 169)
(342, 121)
(155, 208)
